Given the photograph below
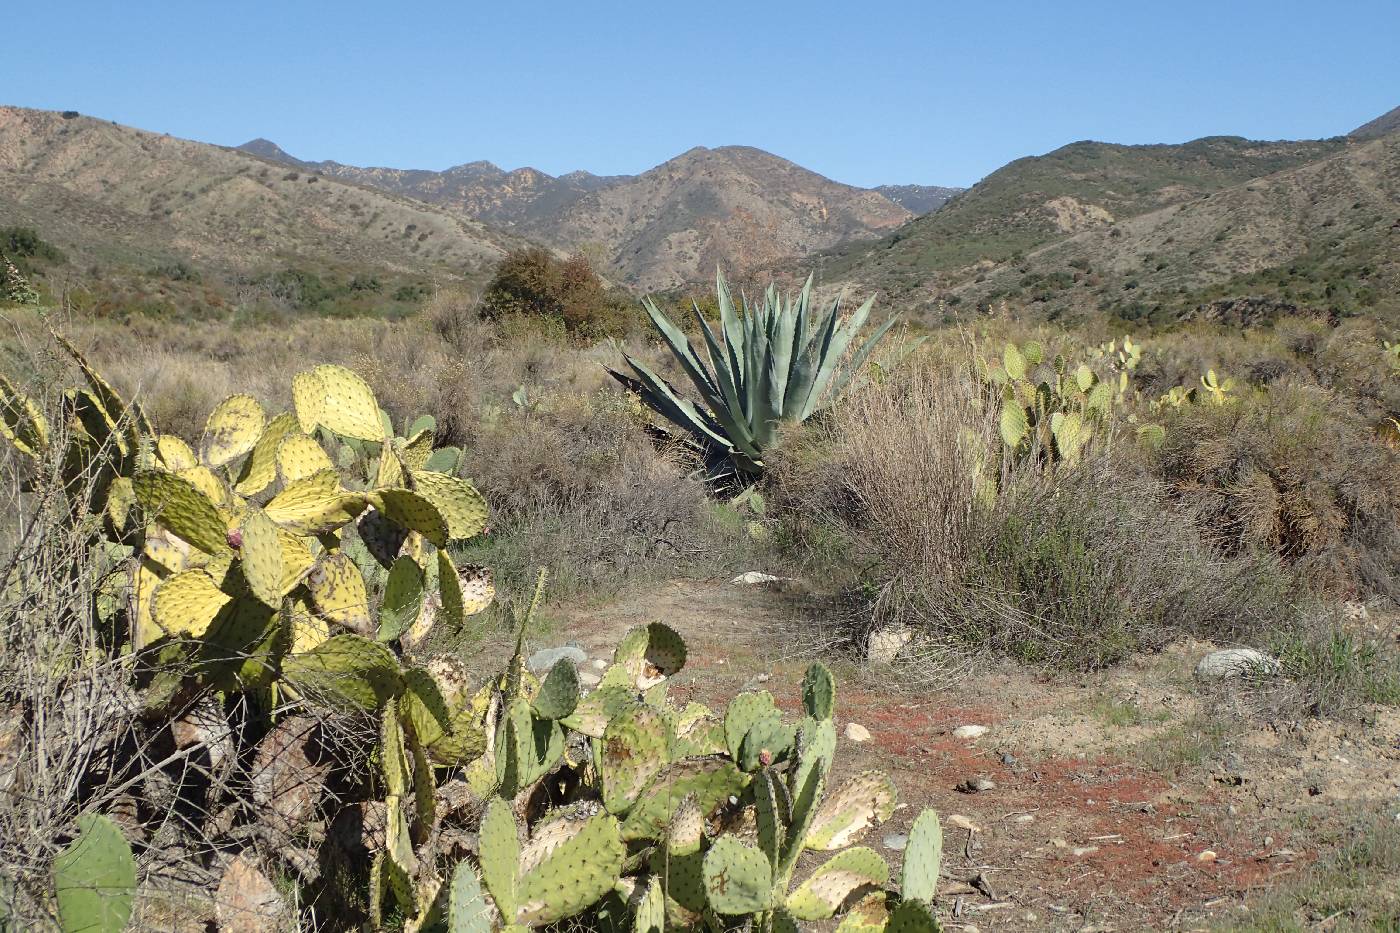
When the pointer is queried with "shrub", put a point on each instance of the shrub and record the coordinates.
(533, 283)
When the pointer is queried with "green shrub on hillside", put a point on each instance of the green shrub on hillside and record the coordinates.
(534, 283)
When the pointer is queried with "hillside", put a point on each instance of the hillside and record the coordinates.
(918, 199)
(1387, 122)
(733, 206)
(1325, 235)
(1036, 200)
(111, 195)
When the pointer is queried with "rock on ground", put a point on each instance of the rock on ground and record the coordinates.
(1232, 662)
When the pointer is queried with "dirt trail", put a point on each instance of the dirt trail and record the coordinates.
(1117, 804)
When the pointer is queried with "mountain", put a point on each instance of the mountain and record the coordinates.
(112, 195)
(1322, 237)
(1387, 122)
(1037, 200)
(734, 206)
(918, 199)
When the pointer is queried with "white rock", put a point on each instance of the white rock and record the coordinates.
(857, 733)
(589, 679)
(545, 658)
(896, 841)
(1232, 662)
(970, 732)
(599, 664)
(886, 644)
(754, 578)
(962, 822)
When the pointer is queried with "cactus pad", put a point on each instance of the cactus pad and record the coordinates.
(95, 878)
(337, 591)
(738, 879)
(314, 505)
(633, 750)
(912, 917)
(346, 667)
(741, 714)
(558, 694)
(335, 397)
(232, 430)
(922, 858)
(573, 876)
(299, 456)
(456, 500)
(382, 538)
(499, 855)
(178, 505)
(868, 915)
(174, 453)
(467, 908)
(822, 894)
(411, 511)
(403, 598)
(844, 815)
(187, 603)
(711, 781)
(819, 691)
(260, 468)
(261, 554)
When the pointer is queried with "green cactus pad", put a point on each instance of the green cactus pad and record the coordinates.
(424, 706)
(922, 858)
(573, 876)
(187, 603)
(467, 908)
(232, 430)
(409, 510)
(711, 781)
(382, 538)
(259, 471)
(595, 711)
(527, 748)
(862, 801)
(444, 460)
(178, 505)
(340, 400)
(649, 653)
(819, 692)
(912, 917)
(633, 750)
(314, 505)
(403, 598)
(768, 740)
(823, 893)
(337, 591)
(741, 714)
(649, 915)
(347, 667)
(261, 554)
(21, 421)
(559, 693)
(299, 456)
(816, 749)
(738, 879)
(393, 760)
(95, 878)
(499, 855)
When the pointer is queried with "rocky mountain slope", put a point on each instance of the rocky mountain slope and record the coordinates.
(112, 194)
(918, 199)
(1387, 122)
(1041, 199)
(734, 206)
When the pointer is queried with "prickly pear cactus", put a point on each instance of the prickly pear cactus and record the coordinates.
(95, 879)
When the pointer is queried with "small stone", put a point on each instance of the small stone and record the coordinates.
(541, 661)
(599, 664)
(1233, 662)
(1023, 818)
(1206, 856)
(884, 645)
(977, 785)
(754, 578)
(962, 822)
(896, 841)
(589, 679)
(1083, 850)
(970, 732)
(857, 733)
(1268, 841)
(246, 901)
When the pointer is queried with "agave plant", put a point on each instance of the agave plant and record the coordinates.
(778, 361)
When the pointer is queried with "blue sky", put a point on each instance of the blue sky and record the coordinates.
(866, 93)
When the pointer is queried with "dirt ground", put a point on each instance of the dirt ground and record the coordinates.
(1135, 799)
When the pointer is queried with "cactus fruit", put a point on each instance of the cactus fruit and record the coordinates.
(95, 878)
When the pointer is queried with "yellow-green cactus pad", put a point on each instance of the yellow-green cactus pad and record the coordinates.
(261, 553)
(347, 667)
(21, 421)
(456, 500)
(299, 456)
(418, 450)
(573, 875)
(206, 482)
(260, 469)
(175, 454)
(146, 577)
(822, 894)
(465, 591)
(412, 511)
(179, 505)
(308, 631)
(340, 400)
(868, 915)
(314, 505)
(187, 603)
(338, 592)
(865, 799)
(232, 430)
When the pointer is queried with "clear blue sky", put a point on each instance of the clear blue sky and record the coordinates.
(865, 92)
